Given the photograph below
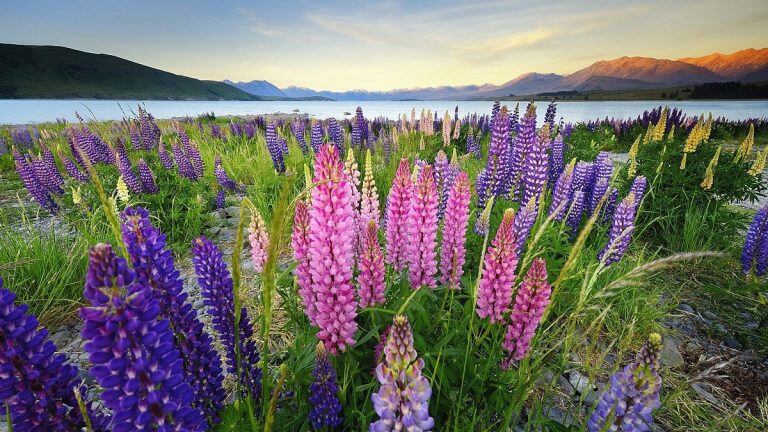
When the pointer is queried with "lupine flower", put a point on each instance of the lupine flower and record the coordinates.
(331, 251)
(73, 170)
(154, 266)
(183, 163)
(639, 184)
(359, 128)
(274, 147)
(524, 220)
(524, 143)
(621, 231)
(549, 116)
(326, 409)
(298, 132)
(193, 153)
(556, 162)
(445, 175)
(369, 205)
(371, 267)
(36, 384)
(131, 350)
(353, 176)
(146, 177)
(53, 180)
(453, 248)
(258, 239)
(219, 200)
(534, 170)
(224, 180)
(129, 177)
(300, 247)
(217, 289)
(483, 221)
(32, 183)
(610, 205)
(150, 132)
(402, 402)
(398, 208)
(582, 176)
(755, 252)
(602, 177)
(336, 135)
(164, 156)
(561, 195)
(473, 146)
(495, 176)
(575, 212)
(530, 302)
(628, 404)
(494, 292)
(422, 231)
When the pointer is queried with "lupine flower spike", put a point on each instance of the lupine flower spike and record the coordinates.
(422, 231)
(453, 248)
(620, 234)
(371, 267)
(530, 302)
(498, 276)
(398, 207)
(326, 409)
(755, 252)
(259, 240)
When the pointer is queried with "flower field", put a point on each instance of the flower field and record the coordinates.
(435, 271)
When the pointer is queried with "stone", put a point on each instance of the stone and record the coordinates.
(683, 307)
(557, 415)
(702, 390)
(566, 386)
(670, 353)
(732, 343)
(709, 315)
(580, 382)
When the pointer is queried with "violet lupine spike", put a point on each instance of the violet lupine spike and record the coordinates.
(165, 158)
(224, 180)
(331, 251)
(556, 161)
(453, 247)
(549, 116)
(582, 175)
(121, 154)
(397, 210)
(73, 170)
(369, 196)
(326, 409)
(530, 302)
(523, 144)
(561, 195)
(220, 198)
(193, 153)
(610, 205)
(534, 170)
(359, 129)
(445, 176)
(639, 184)
(259, 240)
(336, 134)
(32, 183)
(620, 234)
(524, 221)
(217, 289)
(422, 231)
(473, 146)
(316, 136)
(755, 240)
(129, 177)
(274, 147)
(494, 293)
(36, 384)
(300, 247)
(154, 266)
(575, 213)
(402, 402)
(146, 177)
(183, 163)
(514, 119)
(628, 404)
(297, 128)
(131, 351)
(496, 173)
(55, 181)
(371, 268)
(603, 172)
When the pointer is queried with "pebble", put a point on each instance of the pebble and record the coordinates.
(709, 315)
(683, 307)
(670, 354)
(731, 342)
(704, 393)
(566, 386)
(580, 382)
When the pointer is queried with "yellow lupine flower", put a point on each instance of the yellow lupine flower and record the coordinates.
(709, 175)
(661, 126)
(759, 164)
(707, 128)
(671, 135)
(121, 190)
(745, 149)
(77, 197)
(648, 134)
(632, 170)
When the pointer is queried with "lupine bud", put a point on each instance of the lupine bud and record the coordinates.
(628, 404)
(494, 293)
(422, 231)
(371, 267)
(621, 231)
(331, 251)
(146, 177)
(453, 248)
(259, 240)
(326, 409)
(402, 402)
(530, 302)
(524, 220)
(755, 252)
(398, 208)
(217, 289)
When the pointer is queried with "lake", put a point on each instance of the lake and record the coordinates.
(20, 111)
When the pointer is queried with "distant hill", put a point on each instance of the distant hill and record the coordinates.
(644, 69)
(736, 65)
(258, 87)
(52, 72)
(758, 75)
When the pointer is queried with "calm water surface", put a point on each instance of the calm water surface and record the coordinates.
(14, 111)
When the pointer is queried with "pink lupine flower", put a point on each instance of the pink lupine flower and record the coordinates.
(495, 291)
(353, 176)
(371, 266)
(331, 251)
(422, 231)
(455, 232)
(531, 301)
(300, 246)
(369, 205)
(398, 207)
(259, 239)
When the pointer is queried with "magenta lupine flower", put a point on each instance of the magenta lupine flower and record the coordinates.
(453, 248)
(147, 178)
(371, 268)
(165, 158)
(755, 251)
(561, 195)
(369, 204)
(494, 293)
(534, 170)
(259, 240)
(32, 183)
(524, 220)
(398, 208)
(402, 402)
(300, 246)
(332, 238)
(530, 302)
(422, 231)
(621, 231)
(628, 404)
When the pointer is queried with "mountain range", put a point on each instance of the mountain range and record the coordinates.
(624, 73)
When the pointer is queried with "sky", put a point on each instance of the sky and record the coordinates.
(344, 45)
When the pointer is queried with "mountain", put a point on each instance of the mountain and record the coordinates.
(530, 83)
(648, 70)
(758, 75)
(258, 87)
(53, 72)
(733, 66)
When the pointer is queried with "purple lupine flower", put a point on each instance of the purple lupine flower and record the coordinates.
(150, 132)
(549, 116)
(316, 136)
(216, 131)
(183, 163)
(224, 180)
(135, 137)
(283, 145)
(32, 183)
(524, 141)
(610, 205)
(336, 135)
(494, 292)
(297, 128)
(556, 161)
(530, 303)
(453, 248)
(275, 150)
(131, 350)
(524, 220)
(755, 244)
(628, 404)
(53, 179)
(220, 198)
(495, 175)
(473, 146)
(129, 177)
(73, 170)
(36, 384)
(575, 212)
(402, 402)
(621, 231)
(561, 195)
(217, 289)
(146, 177)
(121, 154)
(534, 170)
(164, 156)
(445, 175)
(359, 129)
(514, 119)
(155, 268)
(193, 154)
(603, 173)
(582, 176)
(639, 184)
(326, 409)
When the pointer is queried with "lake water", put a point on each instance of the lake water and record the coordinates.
(15, 111)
